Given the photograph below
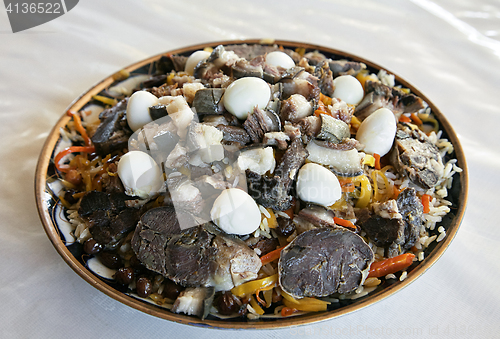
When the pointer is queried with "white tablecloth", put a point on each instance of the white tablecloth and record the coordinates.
(448, 49)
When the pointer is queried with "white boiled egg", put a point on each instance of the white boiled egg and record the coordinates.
(377, 132)
(348, 89)
(280, 59)
(235, 212)
(140, 174)
(244, 94)
(194, 59)
(138, 109)
(318, 185)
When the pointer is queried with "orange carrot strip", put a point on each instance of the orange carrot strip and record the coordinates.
(390, 265)
(79, 128)
(404, 118)
(426, 202)
(344, 223)
(416, 119)
(66, 151)
(377, 161)
(395, 191)
(287, 311)
(271, 256)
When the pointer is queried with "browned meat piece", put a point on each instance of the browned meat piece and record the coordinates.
(108, 217)
(379, 95)
(266, 245)
(198, 256)
(310, 126)
(340, 110)
(345, 145)
(411, 210)
(234, 134)
(168, 63)
(345, 67)
(278, 139)
(323, 261)
(251, 51)
(414, 156)
(113, 131)
(295, 108)
(386, 226)
(395, 224)
(244, 68)
(208, 101)
(300, 86)
(259, 122)
(274, 191)
(325, 75)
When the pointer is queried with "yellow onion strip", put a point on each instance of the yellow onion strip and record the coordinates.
(376, 195)
(253, 286)
(256, 306)
(366, 191)
(305, 304)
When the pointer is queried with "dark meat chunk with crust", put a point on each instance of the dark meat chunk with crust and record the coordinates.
(251, 51)
(108, 217)
(234, 134)
(274, 191)
(197, 256)
(113, 132)
(411, 210)
(259, 122)
(208, 101)
(395, 224)
(415, 156)
(325, 75)
(323, 261)
(380, 95)
(345, 67)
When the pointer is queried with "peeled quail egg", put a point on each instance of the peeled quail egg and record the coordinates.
(138, 109)
(194, 59)
(280, 59)
(241, 97)
(377, 132)
(235, 212)
(140, 174)
(348, 89)
(318, 185)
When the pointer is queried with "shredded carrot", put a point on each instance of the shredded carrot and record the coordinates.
(271, 256)
(262, 302)
(287, 311)
(416, 119)
(391, 265)
(426, 202)
(79, 128)
(325, 99)
(377, 161)
(395, 191)
(404, 118)
(344, 223)
(66, 151)
(346, 184)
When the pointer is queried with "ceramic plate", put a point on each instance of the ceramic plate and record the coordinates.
(60, 234)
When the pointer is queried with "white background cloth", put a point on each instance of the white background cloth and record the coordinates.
(448, 49)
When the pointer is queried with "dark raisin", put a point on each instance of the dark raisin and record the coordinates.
(91, 246)
(285, 227)
(228, 304)
(68, 196)
(144, 287)
(110, 260)
(124, 275)
(171, 290)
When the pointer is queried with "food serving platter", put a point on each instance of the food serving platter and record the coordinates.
(56, 227)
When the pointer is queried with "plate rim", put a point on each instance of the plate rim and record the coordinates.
(307, 319)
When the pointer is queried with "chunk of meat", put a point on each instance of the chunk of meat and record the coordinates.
(198, 256)
(113, 132)
(234, 134)
(274, 191)
(259, 122)
(415, 156)
(380, 95)
(345, 67)
(323, 261)
(411, 210)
